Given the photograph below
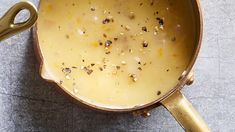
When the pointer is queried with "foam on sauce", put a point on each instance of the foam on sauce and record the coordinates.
(116, 53)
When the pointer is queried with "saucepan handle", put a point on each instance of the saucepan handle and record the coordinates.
(7, 25)
(185, 114)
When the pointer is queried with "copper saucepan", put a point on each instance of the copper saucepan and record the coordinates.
(174, 100)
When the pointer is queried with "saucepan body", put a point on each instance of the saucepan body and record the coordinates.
(173, 100)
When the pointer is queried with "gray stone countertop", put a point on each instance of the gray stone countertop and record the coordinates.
(28, 103)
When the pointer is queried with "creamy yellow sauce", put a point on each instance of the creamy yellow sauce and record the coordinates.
(116, 53)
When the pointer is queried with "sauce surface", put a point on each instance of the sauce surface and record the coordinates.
(116, 53)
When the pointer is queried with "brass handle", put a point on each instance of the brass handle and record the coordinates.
(9, 28)
(185, 114)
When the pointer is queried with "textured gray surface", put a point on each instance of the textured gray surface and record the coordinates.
(27, 103)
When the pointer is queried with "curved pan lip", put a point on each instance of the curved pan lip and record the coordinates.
(150, 105)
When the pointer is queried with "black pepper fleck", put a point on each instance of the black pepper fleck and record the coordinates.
(107, 20)
(159, 92)
(132, 15)
(67, 36)
(88, 71)
(92, 8)
(104, 35)
(108, 52)
(100, 43)
(108, 43)
(66, 71)
(145, 44)
(144, 29)
(160, 21)
(101, 69)
(133, 77)
(118, 67)
(173, 39)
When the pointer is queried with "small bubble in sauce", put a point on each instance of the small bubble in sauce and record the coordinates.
(67, 77)
(123, 62)
(75, 90)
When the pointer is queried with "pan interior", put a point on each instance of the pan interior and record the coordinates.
(116, 54)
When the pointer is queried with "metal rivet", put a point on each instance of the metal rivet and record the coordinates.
(145, 114)
(190, 79)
